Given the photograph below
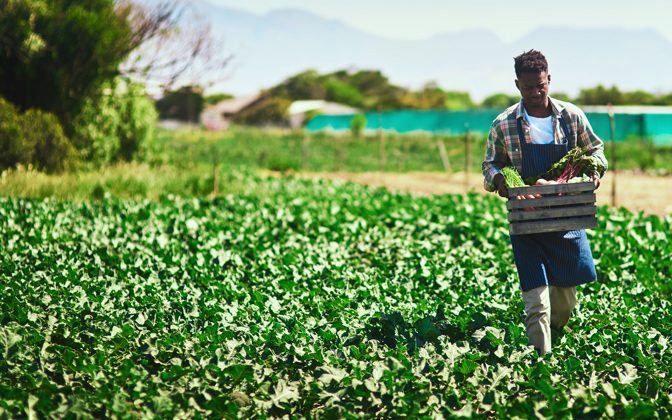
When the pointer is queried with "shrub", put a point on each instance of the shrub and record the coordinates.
(138, 122)
(500, 101)
(267, 111)
(96, 130)
(215, 98)
(116, 126)
(15, 149)
(184, 104)
(358, 124)
(51, 150)
(34, 137)
(283, 164)
(342, 92)
(310, 115)
(98, 192)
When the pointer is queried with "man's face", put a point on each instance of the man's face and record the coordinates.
(533, 88)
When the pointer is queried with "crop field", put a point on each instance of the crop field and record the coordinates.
(318, 299)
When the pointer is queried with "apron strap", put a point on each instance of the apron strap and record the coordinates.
(565, 129)
(521, 136)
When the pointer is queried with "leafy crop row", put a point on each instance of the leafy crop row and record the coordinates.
(316, 299)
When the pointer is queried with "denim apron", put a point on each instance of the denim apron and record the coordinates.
(560, 259)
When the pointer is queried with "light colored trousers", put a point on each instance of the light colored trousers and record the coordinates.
(546, 307)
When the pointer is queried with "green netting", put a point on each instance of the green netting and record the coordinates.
(453, 122)
(657, 127)
(627, 125)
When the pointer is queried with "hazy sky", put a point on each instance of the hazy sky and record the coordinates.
(422, 18)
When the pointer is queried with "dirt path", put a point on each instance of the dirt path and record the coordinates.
(636, 192)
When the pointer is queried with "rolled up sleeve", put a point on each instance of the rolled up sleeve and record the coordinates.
(588, 138)
(495, 156)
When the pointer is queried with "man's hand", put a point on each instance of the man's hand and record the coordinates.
(500, 183)
(596, 180)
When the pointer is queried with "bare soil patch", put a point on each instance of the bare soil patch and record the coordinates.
(634, 191)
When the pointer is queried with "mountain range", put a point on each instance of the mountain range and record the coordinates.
(268, 48)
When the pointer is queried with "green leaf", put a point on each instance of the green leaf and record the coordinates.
(609, 390)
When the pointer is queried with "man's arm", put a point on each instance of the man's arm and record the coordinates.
(495, 159)
(586, 137)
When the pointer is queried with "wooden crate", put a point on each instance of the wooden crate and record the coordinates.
(561, 207)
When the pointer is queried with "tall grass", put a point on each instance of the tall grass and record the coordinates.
(315, 152)
(126, 180)
(324, 152)
(189, 162)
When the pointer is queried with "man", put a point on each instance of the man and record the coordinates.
(531, 136)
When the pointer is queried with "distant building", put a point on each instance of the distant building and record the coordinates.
(219, 116)
(299, 110)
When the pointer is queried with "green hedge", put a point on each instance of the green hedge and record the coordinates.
(33, 138)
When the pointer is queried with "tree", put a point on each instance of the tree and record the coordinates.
(376, 89)
(171, 45)
(215, 98)
(639, 97)
(600, 95)
(184, 104)
(343, 92)
(665, 100)
(268, 110)
(305, 85)
(457, 100)
(369, 82)
(562, 96)
(53, 54)
(431, 96)
(59, 56)
(500, 101)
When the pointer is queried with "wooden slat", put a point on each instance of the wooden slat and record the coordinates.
(543, 226)
(580, 210)
(552, 189)
(582, 198)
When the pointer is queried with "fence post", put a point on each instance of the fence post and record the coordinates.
(338, 153)
(401, 154)
(381, 143)
(444, 155)
(215, 172)
(304, 151)
(467, 156)
(648, 142)
(612, 128)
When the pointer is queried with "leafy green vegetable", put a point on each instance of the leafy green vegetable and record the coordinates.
(575, 163)
(317, 299)
(512, 177)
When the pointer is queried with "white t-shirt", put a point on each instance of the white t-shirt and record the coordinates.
(541, 129)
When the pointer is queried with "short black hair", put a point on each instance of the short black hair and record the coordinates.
(531, 61)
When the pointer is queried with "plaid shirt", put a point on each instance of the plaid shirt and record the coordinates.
(503, 146)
